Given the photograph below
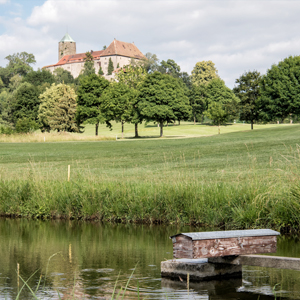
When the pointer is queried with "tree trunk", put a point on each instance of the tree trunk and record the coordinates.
(219, 130)
(136, 133)
(161, 129)
(194, 119)
(178, 122)
(251, 124)
(122, 122)
(96, 128)
(202, 118)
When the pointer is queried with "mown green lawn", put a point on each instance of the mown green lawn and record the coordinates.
(229, 156)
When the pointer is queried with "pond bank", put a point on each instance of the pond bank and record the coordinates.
(248, 204)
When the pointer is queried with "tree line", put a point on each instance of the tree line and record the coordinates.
(146, 90)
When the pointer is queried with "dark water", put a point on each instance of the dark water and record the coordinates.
(88, 259)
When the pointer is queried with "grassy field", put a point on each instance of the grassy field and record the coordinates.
(241, 179)
(186, 129)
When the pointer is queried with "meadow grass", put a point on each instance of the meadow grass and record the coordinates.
(234, 180)
(146, 131)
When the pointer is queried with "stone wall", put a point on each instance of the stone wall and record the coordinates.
(66, 48)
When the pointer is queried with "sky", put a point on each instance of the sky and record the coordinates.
(238, 36)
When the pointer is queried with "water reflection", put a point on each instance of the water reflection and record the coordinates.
(87, 259)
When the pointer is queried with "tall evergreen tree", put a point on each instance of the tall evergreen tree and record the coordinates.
(88, 67)
(110, 68)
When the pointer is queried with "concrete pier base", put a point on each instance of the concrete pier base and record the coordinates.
(199, 269)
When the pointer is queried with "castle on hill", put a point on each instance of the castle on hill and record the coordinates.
(121, 54)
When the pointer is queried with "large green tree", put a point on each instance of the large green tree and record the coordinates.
(162, 98)
(198, 100)
(39, 77)
(20, 63)
(204, 72)
(89, 100)
(280, 90)
(248, 90)
(133, 77)
(63, 76)
(26, 102)
(117, 104)
(58, 108)
(222, 103)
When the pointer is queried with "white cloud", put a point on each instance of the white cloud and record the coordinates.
(4, 1)
(236, 35)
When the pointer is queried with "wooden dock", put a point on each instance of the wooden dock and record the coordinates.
(219, 254)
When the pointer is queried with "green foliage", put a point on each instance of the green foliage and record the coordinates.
(280, 90)
(14, 82)
(204, 72)
(110, 68)
(26, 125)
(25, 102)
(132, 76)
(89, 99)
(198, 100)
(88, 67)
(170, 67)
(6, 130)
(118, 65)
(20, 63)
(57, 109)
(63, 76)
(222, 103)
(162, 99)
(117, 103)
(39, 77)
(248, 91)
(100, 72)
(150, 64)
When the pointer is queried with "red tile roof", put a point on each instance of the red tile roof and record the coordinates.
(115, 48)
(123, 49)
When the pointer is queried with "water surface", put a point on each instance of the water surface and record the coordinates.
(88, 259)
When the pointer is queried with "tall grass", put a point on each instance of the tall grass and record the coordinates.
(247, 204)
(38, 137)
(239, 180)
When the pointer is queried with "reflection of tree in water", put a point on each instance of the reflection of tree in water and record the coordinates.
(92, 255)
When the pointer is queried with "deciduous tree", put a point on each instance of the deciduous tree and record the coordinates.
(248, 91)
(89, 100)
(204, 72)
(63, 76)
(117, 104)
(162, 99)
(198, 100)
(280, 90)
(222, 103)
(39, 77)
(58, 108)
(133, 77)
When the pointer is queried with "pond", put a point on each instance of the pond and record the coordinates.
(59, 259)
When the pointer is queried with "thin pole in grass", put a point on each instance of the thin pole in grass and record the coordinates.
(18, 271)
(69, 172)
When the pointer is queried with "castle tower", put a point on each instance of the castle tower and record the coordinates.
(67, 46)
